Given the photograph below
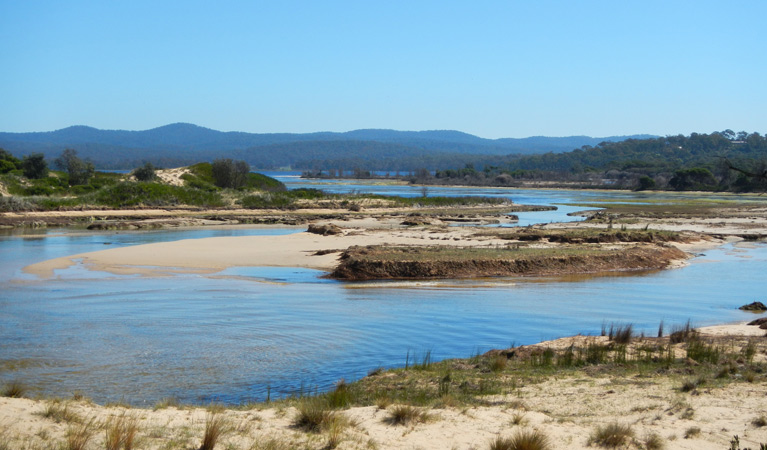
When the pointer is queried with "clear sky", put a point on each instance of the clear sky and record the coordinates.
(490, 68)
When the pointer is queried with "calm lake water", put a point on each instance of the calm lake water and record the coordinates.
(234, 335)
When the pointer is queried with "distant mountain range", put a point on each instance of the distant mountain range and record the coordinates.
(182, 143)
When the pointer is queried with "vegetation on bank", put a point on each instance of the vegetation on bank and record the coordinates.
(720, 161)
(221, 184)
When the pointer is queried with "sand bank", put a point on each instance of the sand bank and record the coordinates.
(295, 250)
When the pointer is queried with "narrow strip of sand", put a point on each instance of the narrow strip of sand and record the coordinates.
(218, 253)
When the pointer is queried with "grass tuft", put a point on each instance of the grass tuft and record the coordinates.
(653, 441)
(760, 421)
(518, 419)
(54, 411)
(621, 334)
(120, 433)
(691, 385)
(406, 414)
(215, 427)
(612, 435)
(522, 440)
(314, 415)
(167, 402)
(14, 389)
(498, 364)
(682, 334)
(691, 432)
(79, 436)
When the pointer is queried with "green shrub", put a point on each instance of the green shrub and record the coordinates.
(155, 194)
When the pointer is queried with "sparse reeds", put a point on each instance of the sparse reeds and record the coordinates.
(749, 351)
(79, 435)
(406, 414)
(272, 444)
(335, 430)
(120, 432)
(340, 397)
(621, 334)
(55, 411)
(612, 435)
(699, 351)
(522, 440)
(167, 402)
(681, 334)
(215, 428)
(542, 358)
(498, 363)
(14, 389)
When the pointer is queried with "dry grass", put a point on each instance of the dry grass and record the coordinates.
(14, 389)
(215, 428)
(58, 413)
(653, 441)
(406, 414)
(691, 432)
(518, 419)
(78, 436)
(120, 432)
(522, 440)
(612, 435)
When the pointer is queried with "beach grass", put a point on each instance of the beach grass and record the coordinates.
(522, 440)
(612, 435)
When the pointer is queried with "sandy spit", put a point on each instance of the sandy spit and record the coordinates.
(215, 254)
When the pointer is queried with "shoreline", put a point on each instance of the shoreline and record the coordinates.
(566, 406)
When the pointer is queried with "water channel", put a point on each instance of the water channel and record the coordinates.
(233, 336)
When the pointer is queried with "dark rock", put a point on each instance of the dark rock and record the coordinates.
(758, 321)
(755, 306)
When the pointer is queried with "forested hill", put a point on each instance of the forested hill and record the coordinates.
(181, 143)
(717, 161)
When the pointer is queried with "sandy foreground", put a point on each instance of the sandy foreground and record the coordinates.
(567, 410)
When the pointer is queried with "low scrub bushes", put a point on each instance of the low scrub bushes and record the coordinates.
(155, 194)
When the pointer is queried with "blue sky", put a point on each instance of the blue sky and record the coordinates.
(494, 68)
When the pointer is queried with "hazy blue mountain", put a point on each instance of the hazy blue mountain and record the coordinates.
(182, 142)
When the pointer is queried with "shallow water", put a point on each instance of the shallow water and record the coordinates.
(232, 336)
